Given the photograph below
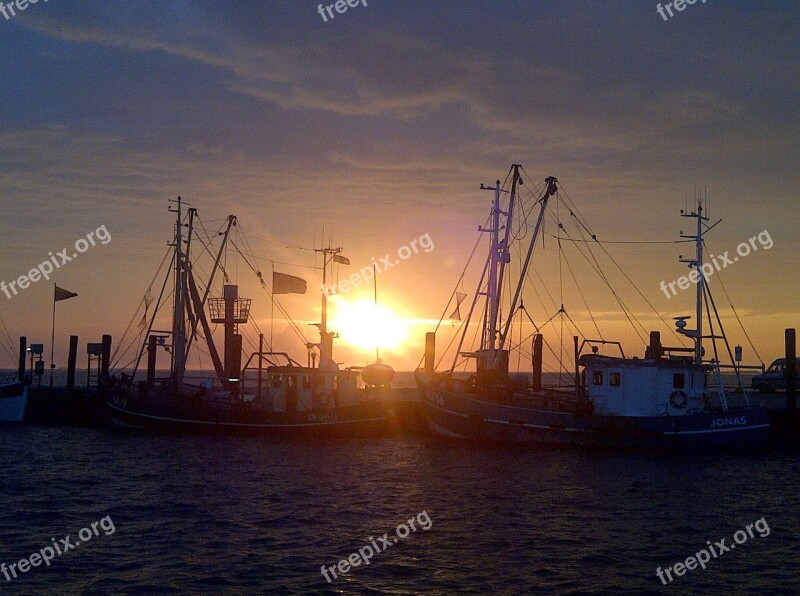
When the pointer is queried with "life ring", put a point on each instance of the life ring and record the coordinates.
(678, 399)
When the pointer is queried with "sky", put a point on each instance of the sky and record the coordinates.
(376, 127)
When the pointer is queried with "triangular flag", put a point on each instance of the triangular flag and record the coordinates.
(62, 294)
(148, 299)
(456, 314)
(287, 284)
(340, 259)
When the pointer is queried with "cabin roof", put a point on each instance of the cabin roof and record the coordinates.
(600, 361)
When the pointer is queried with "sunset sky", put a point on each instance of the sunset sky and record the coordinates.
(376, 128)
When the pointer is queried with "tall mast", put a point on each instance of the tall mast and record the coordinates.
(516, 180)
(377, 344)
(178, 315)
(701, 286)
(550, 189)
(326, 338)
(697, 263)
(492, 291)
(499, 256)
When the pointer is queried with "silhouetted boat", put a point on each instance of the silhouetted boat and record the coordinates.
(13, 400)
(271, 394)
(659, 401)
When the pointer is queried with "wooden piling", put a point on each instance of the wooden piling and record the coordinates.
(536, 364)
(152, 352)
(72, 361)
(791, 372)
(23, 352)
(430, 352)
(105, 357)
(577, 368)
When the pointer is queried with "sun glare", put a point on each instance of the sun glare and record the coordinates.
(366, 326)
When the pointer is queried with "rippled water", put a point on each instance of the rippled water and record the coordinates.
(244, 516)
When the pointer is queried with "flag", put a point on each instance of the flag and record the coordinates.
(341, 259)
(456, 314)
(148, 299)
(62, 294)
(287, 284)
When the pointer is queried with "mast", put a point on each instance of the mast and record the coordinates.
(326, 338)
(515, 181)
(492, 291)
(493, 337)
(377, 344)
(550, 189)
(697, 263)
(178, 314)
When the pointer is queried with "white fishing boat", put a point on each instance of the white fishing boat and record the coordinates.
(671, 398)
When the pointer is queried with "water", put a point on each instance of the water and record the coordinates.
(254, 515)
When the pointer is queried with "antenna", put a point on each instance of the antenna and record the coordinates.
(377, 343)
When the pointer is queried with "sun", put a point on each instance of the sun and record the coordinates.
(365, 326)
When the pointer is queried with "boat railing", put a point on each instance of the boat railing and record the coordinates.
(595, 344)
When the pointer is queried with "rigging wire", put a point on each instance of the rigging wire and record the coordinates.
(594, 263)
(566, 322)
(580, 220)
(459, 282)
(735, 314)
(583, 297)
(258, 273)
(8, 344)
(623, 241)
(135, 317)
(635, 287)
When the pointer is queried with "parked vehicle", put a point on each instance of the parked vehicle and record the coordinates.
(774, 377)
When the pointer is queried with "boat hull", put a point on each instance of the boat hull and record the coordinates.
(180, 415)
(13, 402)
(459, 415)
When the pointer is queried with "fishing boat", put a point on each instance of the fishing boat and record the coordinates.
(671, 398)
(13, 385)
(272, 393)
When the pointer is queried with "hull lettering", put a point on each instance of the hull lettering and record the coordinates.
(720, 422)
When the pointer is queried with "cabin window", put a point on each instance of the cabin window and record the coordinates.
(597, 377)
(277, 382)
(678, 381)
(306, 381)
(615, 379)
